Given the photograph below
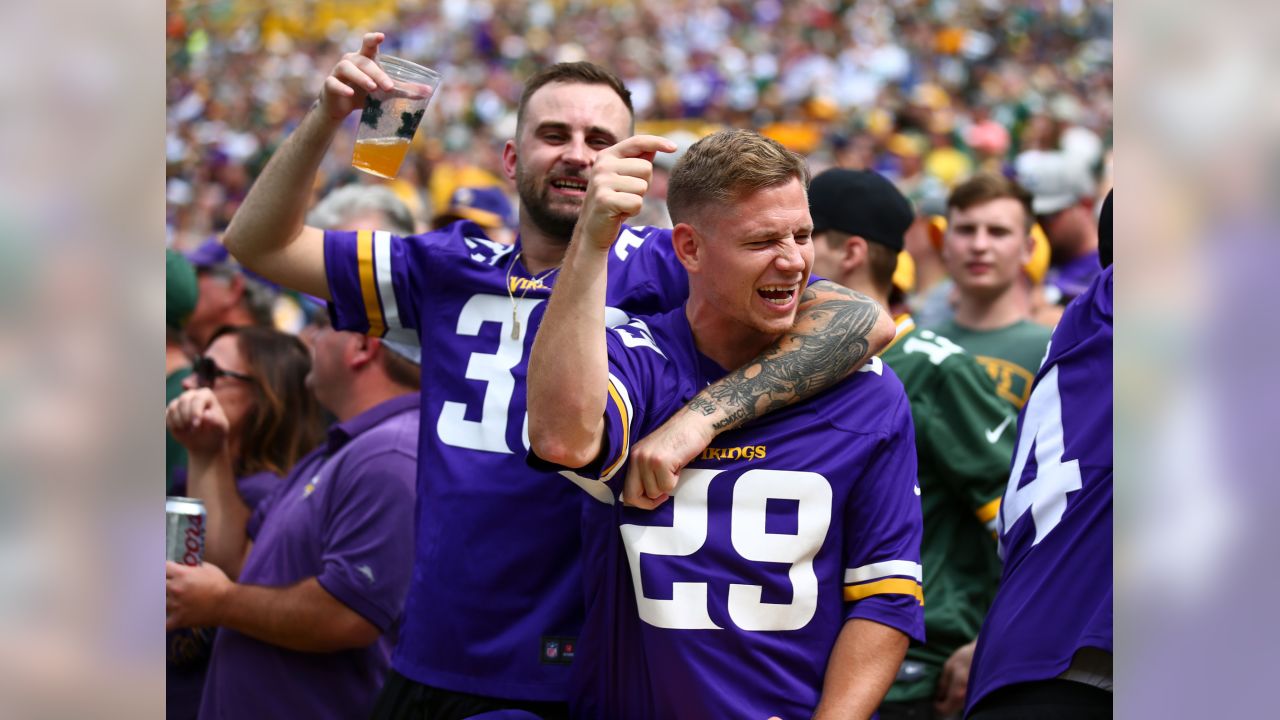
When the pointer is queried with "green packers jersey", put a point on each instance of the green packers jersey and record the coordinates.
(964, 441)
(1011, 354)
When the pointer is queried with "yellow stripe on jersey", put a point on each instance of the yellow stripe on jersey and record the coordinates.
(888, 586)
(988, 512)
(368, 285)
(905, 324)
(626, 431)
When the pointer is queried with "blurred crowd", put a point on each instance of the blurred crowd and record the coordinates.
(924, 91)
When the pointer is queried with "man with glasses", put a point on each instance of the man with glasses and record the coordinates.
(314, 585)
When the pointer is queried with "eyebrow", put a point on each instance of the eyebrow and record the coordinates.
(770, 234)
(564, 127)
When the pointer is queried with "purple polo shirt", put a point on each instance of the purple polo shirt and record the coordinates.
(183, 684)
(344, 515)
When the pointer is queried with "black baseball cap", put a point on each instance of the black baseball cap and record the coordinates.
(860, 202)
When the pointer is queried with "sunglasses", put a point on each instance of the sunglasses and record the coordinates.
(207, 372)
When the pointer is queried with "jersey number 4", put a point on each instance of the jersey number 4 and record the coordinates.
(687, 609)
(1045, 495)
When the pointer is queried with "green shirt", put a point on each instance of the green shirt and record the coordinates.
(964, 441)
(1011, 354)
(175, 456)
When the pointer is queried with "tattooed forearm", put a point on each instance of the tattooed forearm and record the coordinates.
(701, 405)
(829, 340)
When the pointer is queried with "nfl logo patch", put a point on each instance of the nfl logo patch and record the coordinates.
(552, 649)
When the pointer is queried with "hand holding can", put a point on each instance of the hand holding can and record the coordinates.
(391, 117)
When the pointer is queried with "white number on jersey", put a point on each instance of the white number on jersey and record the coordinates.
(937, 348)
(687, 609)
(490, 432)
(1046, 494)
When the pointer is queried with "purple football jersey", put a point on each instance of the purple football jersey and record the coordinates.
(495, 605)
(1055, 519)
(727, 600)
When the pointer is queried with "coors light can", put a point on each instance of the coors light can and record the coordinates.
(184, 541)
(184, 530)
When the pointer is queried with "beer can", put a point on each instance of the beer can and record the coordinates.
(184, 529)
(184, 539)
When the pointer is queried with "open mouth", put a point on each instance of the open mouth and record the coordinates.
(570, 184)
(777, 294)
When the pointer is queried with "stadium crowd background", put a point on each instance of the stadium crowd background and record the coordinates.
(923, 91)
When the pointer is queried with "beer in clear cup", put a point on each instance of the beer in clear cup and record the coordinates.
(390, 118)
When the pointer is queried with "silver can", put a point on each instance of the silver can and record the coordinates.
(184, 520)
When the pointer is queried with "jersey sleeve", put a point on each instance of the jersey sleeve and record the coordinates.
(970, 436)
(882, 580)
(634, 369)
(372, 279)
(647, 278)
(367, 531)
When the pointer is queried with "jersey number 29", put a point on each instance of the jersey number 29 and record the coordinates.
(687, 609)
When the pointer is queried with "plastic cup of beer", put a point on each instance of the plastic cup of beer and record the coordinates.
(391, 117)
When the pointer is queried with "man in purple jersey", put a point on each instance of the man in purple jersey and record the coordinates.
(1045, 648)
(781, 576)
(495, 606)
(308, 592)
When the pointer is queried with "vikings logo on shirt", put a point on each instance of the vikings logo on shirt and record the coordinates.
(749, 452)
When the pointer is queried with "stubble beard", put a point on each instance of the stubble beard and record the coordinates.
(535, 203)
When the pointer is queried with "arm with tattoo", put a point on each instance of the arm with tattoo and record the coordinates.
(831, 338)
(836, 331)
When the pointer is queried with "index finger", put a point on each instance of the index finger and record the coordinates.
(369, 44)
(643, 146)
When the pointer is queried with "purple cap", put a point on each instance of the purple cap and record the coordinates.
(486, 207)
(211, 252)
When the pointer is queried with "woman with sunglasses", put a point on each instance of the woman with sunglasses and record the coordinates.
(247, 404)
(245, 418)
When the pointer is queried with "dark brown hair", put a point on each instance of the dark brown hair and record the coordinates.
(985, 187)
(727, 165)
(285, 422)
(882, 260)
(584, 73)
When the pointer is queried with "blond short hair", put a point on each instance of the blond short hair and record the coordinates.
(726, 166)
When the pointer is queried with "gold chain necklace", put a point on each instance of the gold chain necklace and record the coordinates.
(515, 319)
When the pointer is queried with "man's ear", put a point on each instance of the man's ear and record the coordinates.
(855, 254)
(236, 288)
(688, 246)
(509, 159)
(361, 350)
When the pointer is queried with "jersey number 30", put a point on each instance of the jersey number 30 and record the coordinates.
(687, 609)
